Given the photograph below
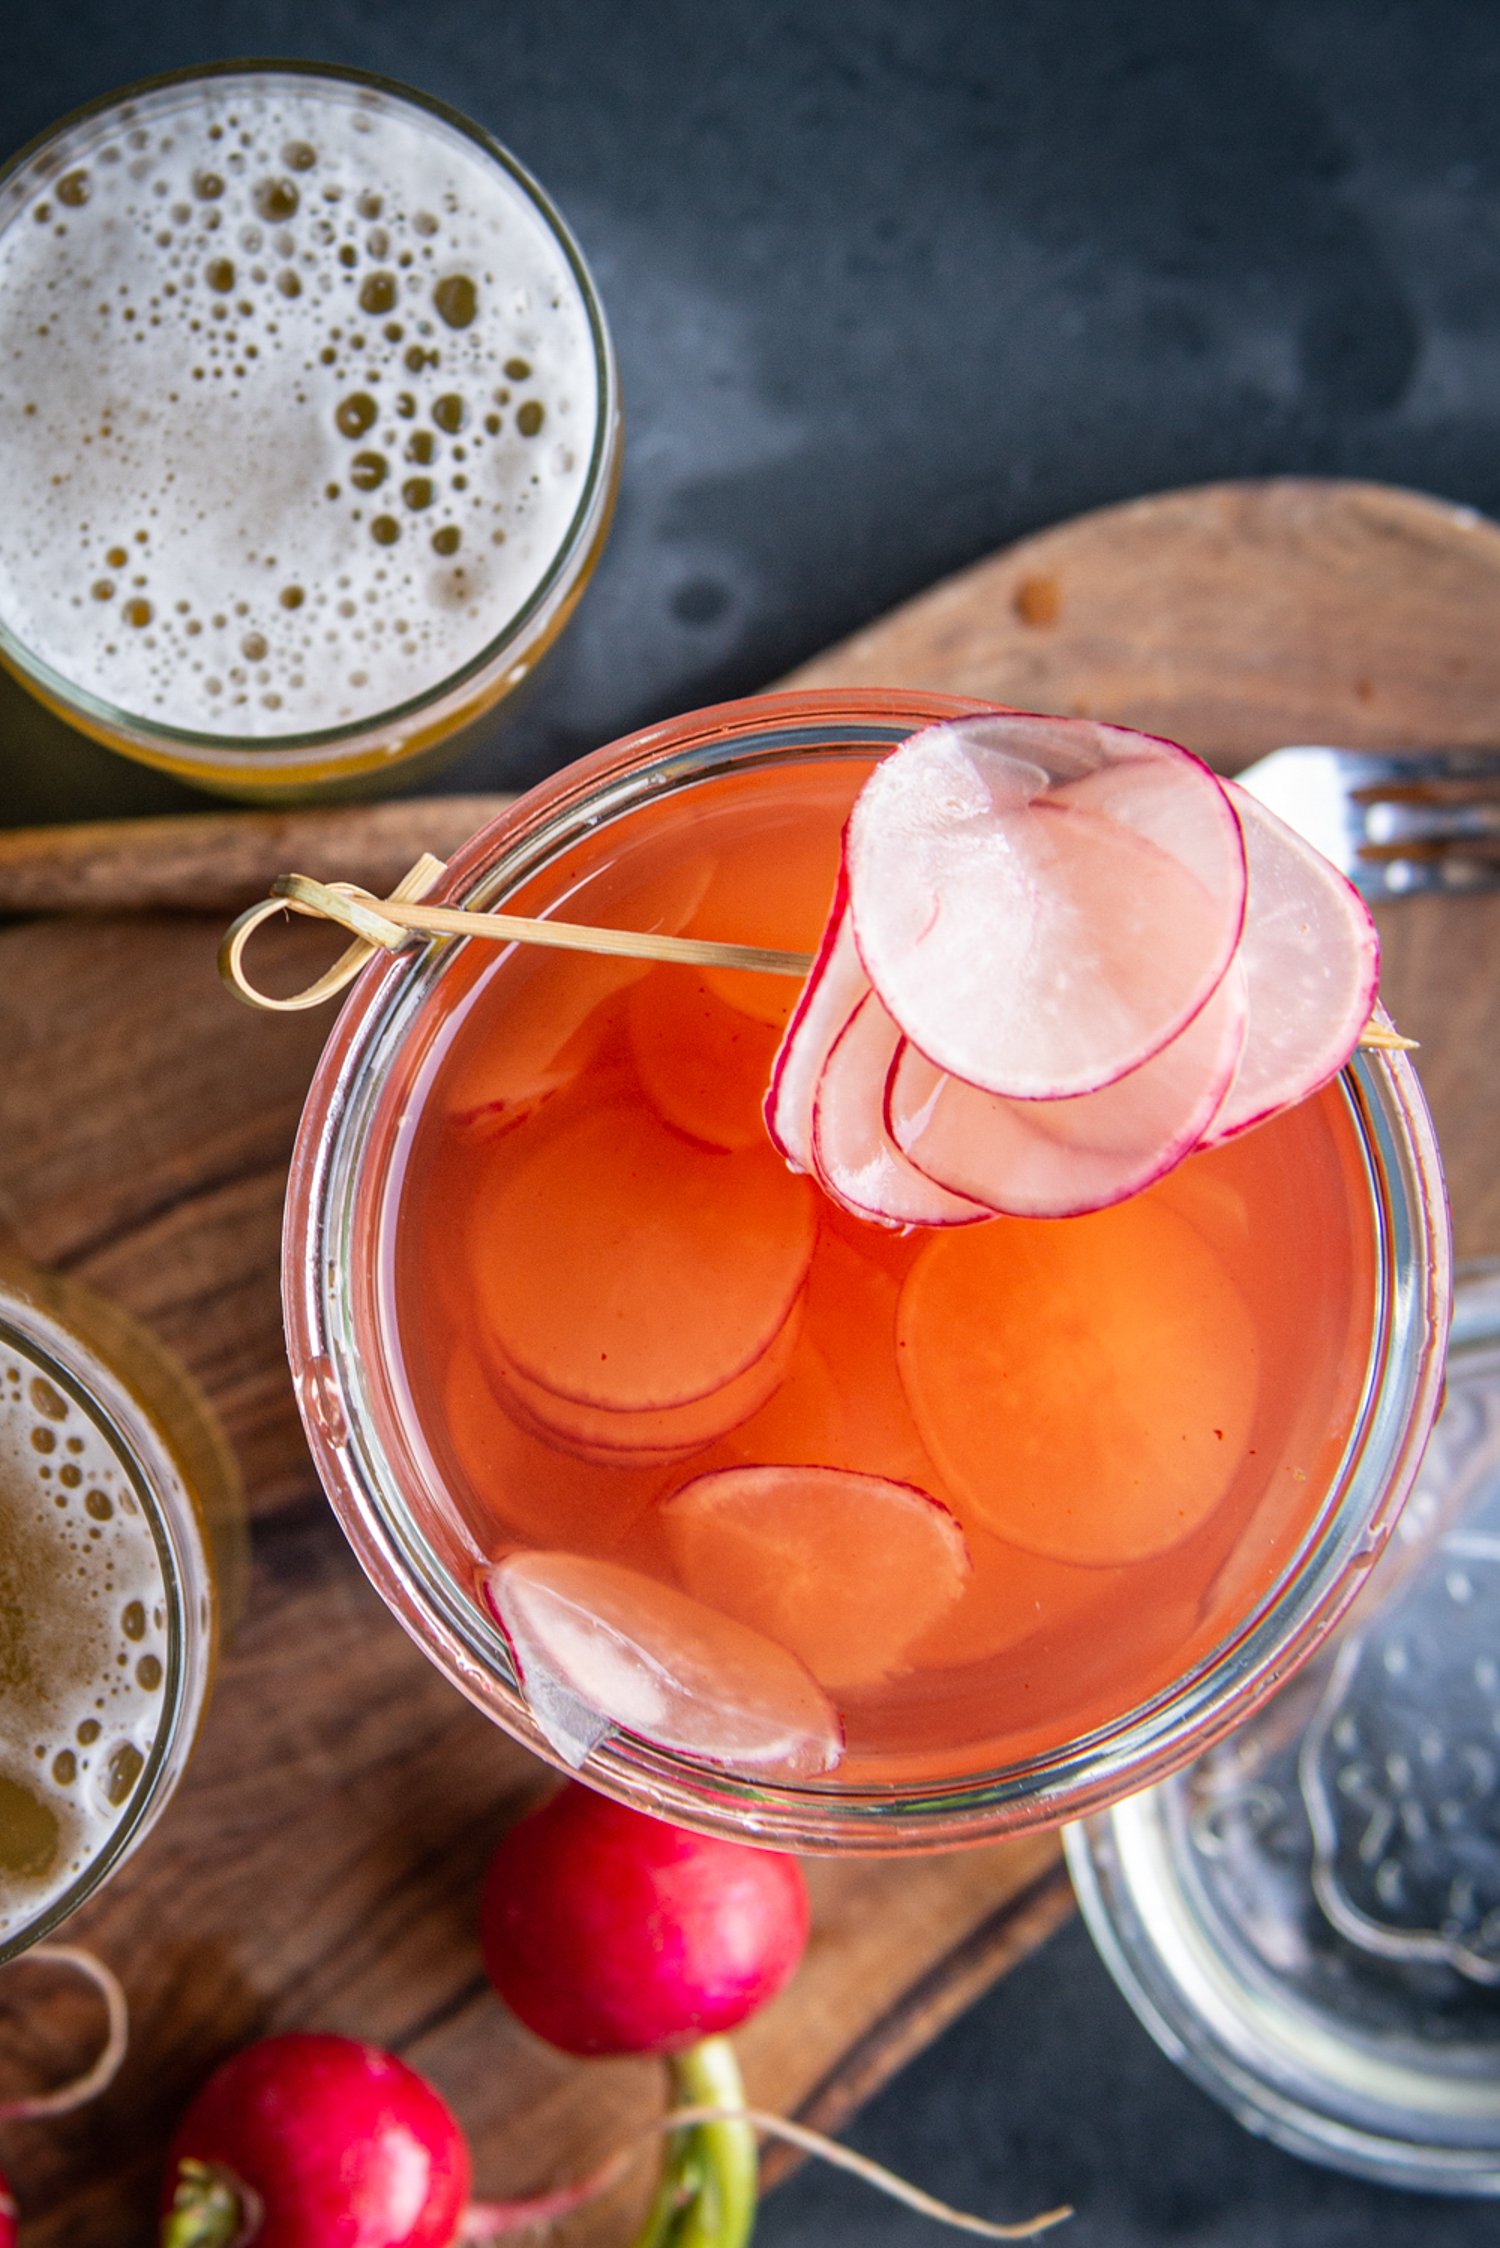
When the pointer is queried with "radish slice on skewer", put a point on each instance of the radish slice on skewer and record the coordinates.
(1033, 945)
(1060, 1159)
(854, 1156)
(833, 990)
(1145, 793)
(598, 1645)
(1311, 961)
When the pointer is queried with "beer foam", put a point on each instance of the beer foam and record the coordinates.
(83, 1642)
(298, 399)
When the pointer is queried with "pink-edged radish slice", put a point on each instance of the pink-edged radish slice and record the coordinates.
(835, 985)
(598, 1645)
(1146, 794)
(647, 1439)
(1060, 1159)
(1311, 960)
(1028, 944)
(854, 1157)
(847, 1570)
(623, 1266)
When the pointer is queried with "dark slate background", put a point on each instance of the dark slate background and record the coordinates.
(893, 284)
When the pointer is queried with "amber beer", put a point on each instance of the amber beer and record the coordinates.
(119, 1551)
(307, 424)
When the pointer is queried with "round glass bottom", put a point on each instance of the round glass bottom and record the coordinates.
(1307, 1919)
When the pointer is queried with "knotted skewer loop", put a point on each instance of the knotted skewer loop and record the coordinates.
(340, 902)
(392, 922)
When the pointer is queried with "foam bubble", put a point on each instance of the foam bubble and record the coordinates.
(83, 1642)
(297, 403)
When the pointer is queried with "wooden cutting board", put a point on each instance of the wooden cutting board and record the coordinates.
(320, 1865)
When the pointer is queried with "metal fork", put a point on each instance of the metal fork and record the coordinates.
(1424, 820)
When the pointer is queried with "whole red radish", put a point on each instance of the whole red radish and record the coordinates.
(609, 1932)
(316, 2142)
(8, 2215)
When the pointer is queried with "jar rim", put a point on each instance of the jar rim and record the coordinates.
(1399, 1401)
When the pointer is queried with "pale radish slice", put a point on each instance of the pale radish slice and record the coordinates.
(1311, 960)
(1028, 944)
(702, 1063)
(1146, 793)
(598, 1645)
(1060, 1159)
(515, 1485)
(1088, 1391)
(847, 1570)
(833, 990)
(648, 1439)
(624, 1266)
(854, 1156)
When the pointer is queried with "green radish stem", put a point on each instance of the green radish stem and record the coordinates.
(210, 2209)
(706, 2194)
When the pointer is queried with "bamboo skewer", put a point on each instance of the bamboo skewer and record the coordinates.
(389, 924)
(559, 936)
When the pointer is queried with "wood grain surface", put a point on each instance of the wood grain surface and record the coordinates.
(320, 1866)
(216, 862)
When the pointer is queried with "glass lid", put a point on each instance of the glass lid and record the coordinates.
(1307, 1919)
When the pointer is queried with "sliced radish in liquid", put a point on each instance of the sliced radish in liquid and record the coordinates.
(626, 1267)
(845, 1569)
(646, 1439)
(598, 1645)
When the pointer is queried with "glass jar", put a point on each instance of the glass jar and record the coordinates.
(338, 1215)
(123, 1561)
(378, 513)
